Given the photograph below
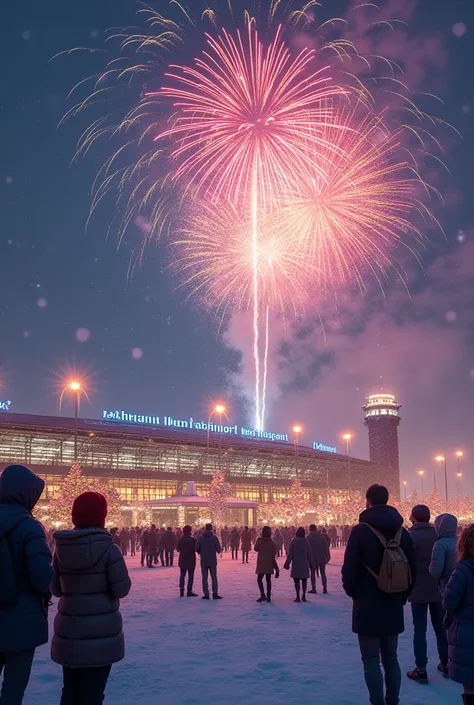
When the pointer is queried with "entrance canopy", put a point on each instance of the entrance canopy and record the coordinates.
(191, 499)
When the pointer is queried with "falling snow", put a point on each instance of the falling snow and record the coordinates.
(42, 303)
(451, 316)
(83, 335)
(137, 353)
(459, 29)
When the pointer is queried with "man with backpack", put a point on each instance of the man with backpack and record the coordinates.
(26, 573)
(378, 574)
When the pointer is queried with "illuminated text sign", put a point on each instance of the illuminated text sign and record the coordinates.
(5, 405)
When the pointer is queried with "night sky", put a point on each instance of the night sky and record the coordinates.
(69, 304)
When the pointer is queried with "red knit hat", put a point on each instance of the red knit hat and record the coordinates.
(89, 509)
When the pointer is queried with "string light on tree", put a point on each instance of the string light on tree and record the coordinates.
(219, 492)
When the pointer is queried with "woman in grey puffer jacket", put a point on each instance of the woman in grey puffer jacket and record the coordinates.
(90, 577)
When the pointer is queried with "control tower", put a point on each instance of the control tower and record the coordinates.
(382, 418)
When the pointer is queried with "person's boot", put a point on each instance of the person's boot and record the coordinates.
(262, 597)
(217, 597)
(192, 594)
(303, 599)
(313, 591)
(297, 596)
(443, 669)
(419, 675)
(325, 591)
(269, 597)
(181, 592)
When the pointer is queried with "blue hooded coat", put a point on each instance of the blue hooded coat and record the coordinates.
(444, 557)
(24, 623)
(459, 605)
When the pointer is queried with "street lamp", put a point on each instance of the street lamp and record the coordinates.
(297, 429)
(458, 482)
(421, 473)
(347, 437)
(405, 483)
(221, 411)
(442, 459)
(76, 387)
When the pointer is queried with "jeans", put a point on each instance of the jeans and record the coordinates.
(304, 583)
(149, 559)
(245, 556)
(169, 556)
(16, 667)
(235, 553)
(314, 572)
(420, 622)
(269, 584)
(84, 686)
(371, 649)
(143, 557)
(212, 569)
(182, 578)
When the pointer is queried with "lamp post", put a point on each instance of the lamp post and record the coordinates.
(297, 429)
(458, 482)
(421, 473)
(220, 410)
(442, 459)
(76, 387)
(405, 489)
(347, 437)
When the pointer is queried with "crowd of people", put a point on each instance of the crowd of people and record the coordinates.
(385, 565)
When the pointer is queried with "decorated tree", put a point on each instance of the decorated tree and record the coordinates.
(74, 484)
(219, 492)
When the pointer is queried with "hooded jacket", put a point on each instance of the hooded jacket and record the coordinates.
(458, 602)
(24, 623)
(319, 548)
(208, 547)
(443, 558)
(426, 588)
(90, 577)
(375, 613)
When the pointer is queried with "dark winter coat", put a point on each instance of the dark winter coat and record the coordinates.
(444, 555)
(168, 541)
(319, 548)
(425, 588)
(90, 577)
(300, 558)
(24, 623)
(278, 539)
(153, 541)
(234, 539)
(187, 552)
(458, 602)
(375, 613)
(267, 551)
(208, 547)
(246, 540)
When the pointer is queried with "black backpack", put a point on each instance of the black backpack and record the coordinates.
(8, 591)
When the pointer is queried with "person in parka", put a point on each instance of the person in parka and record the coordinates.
(458, 601)
(90, 577)
(267, 551)
(301, 560)
(25, 566)
(245, 544)
(444, 556)
(321, 557)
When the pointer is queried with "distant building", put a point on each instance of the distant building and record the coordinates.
(382, 418)
(145, 463)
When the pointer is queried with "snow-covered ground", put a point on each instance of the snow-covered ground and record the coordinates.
(235, 652)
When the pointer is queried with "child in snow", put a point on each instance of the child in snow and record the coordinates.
(90, 577)
(266, 562)
(301, 559)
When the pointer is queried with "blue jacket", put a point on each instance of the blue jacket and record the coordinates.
(208, 547)
(458, 602)
(375, 613)
(444, 557)
(24, 623)
(300, 558)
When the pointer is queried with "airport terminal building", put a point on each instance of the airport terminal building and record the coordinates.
(145, 461)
